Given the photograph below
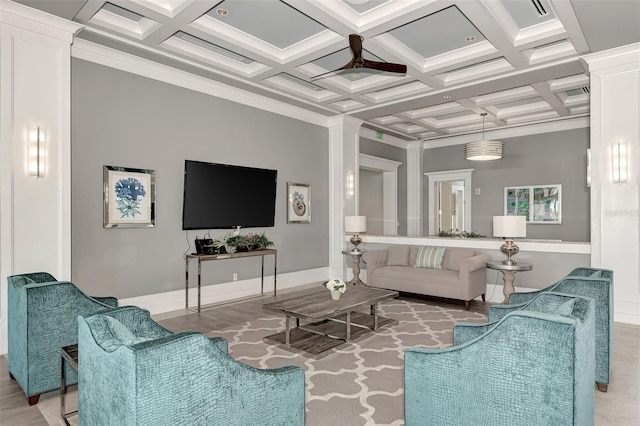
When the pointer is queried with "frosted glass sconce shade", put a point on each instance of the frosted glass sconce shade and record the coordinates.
(619, 162)
(35, 152)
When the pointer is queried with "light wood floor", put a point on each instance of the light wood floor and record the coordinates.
(620, 406)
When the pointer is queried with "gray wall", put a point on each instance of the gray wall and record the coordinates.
(371, 201)
(383, 150)
(121, 119)
(547, 158)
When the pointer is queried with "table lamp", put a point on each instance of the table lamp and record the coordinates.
(355, 225)
(509, 227)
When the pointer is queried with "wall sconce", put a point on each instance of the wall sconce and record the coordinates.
(619, 162)
(36, 152)
(351, 185)
(588, 167)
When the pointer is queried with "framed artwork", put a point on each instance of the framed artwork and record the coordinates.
(298, 203)
(538, 203)
(129, 197)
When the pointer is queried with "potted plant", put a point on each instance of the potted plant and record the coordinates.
(336, 286)
(231, 243)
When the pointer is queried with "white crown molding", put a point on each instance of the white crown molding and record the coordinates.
(613, 57)
(378, 164)
(388, 139)
(512, 132)
(92, 52)
(39, 22)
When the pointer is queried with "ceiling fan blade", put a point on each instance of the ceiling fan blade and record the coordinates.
(345, 67)
(355, 42)
(385, 66)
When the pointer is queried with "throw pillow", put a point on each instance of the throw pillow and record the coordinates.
(430, 257)
(398, 256)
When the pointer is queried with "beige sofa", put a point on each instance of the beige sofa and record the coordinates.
(463, 275)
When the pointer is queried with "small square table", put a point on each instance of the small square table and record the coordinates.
(69, 354)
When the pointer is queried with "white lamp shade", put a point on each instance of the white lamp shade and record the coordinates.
(483, 150)
(355, 224)
(510, 226)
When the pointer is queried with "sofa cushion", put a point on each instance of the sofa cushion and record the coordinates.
(398, 256)
(454, 257)
(422, 278)
(413, 254)
(430, 257)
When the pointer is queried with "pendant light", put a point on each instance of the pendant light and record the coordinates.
(483, 150)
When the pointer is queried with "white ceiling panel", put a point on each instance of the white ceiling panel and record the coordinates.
(517, 60)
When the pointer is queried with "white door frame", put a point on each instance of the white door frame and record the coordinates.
(389, 170)
(449, 175)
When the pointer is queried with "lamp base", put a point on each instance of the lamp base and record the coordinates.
(509, 248)
(355, 240)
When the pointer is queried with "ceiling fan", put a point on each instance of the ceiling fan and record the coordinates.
(355, 42)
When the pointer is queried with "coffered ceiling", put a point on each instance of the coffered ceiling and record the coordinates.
(516, 60)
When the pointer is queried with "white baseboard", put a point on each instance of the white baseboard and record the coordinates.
(173, 300)
(626, 308)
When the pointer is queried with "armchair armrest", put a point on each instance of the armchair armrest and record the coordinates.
(464, 332)
(109, 301)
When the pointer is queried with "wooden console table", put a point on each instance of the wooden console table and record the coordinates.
(206, 257)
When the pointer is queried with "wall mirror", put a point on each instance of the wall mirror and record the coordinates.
(449, 200)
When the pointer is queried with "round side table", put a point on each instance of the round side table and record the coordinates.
(509, 274)
(356, 256)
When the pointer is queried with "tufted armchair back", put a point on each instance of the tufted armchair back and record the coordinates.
(42, 318)
(597, 284)
(530, 368)
(134, 372)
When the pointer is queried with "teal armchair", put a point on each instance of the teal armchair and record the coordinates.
(586, 282)
(42, 318)
(134, 372)
(527, 369)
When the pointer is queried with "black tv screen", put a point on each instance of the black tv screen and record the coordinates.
(226, 196)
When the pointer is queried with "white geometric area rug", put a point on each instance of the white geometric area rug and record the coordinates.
(362, 382)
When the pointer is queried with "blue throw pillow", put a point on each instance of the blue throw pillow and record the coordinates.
(430, 257)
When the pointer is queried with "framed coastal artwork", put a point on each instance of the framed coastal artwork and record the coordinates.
(129, 197)
(298, 203)
(538, 203)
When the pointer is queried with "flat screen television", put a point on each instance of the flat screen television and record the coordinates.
(218, 196)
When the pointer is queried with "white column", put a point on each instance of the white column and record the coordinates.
(414, 189)
(35, 213)
(344, 145)
(615, 117)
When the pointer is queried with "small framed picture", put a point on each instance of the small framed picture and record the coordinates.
(298, 203)
(129, 197)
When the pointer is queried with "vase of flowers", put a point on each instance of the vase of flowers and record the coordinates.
(336, 286)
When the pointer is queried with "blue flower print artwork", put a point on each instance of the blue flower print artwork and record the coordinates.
(129, 197)
(127, 193)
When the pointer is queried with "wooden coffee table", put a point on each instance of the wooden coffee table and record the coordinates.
(330, 323)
